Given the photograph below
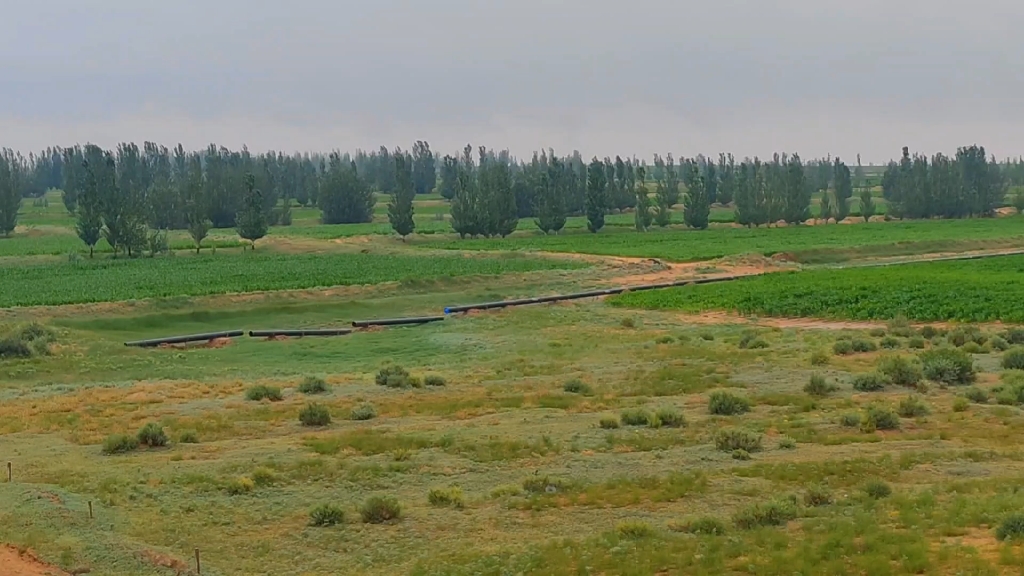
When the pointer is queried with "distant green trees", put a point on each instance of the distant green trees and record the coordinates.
(969, 184)
(484, 203)
(10, 190)
(843, 189)
(697, 203)
(251, 221)
(345, 198)
(597, 195)
(400, 208)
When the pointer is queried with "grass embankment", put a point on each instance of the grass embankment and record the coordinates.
(990, 289)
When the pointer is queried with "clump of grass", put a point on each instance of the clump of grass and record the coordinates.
(787, 443)
(772, 513)
(872, 382)
(877, 489)
(890, 343)
(664, 340)
(670, 417)
(751, 341)
(315, 415)
(876, 332)
(240, 486)
(634, 530)
(152, 435)
(842, 348)
(363, 412)
(710, 337)
(912, 407)
(326, 515)
(628, 323)
(545, 485)
(916, 343)
(819, 386)
(703, 526)
(637, 417)
(263, 476)
(188, 437)
(999, 344)
(929, 332)
(506, 491)
(900, 370)
(973, 348)
(948, 366)
(609, 422)
(1013, 359)
(27, 341)
(741, 455)
(1014, 335)
(313, 385)
(393, 376)
(1011, 528)
(878, 418)
(730, 439)
(961, 404)
(817, 496)
(446, 497)
(263, 392)
(723, 403)
(820, 358)
(576, 386)
(861, 345)
(434, 381)
(976, 395)
(900, 326)
(380, 509)
(119, 444)
(850, 420)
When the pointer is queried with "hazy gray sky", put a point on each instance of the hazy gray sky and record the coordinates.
(601, 76)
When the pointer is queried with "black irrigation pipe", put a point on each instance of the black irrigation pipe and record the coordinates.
(300, 333)
(588, 294)
(397, 321)
(185, 339)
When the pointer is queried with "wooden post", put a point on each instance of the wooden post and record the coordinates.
(90, 509)
(10, 473)
(199, 569)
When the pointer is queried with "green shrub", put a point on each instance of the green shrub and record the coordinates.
(119, 444)
(313, 385)
(877, 489)
(929, 332)
(740, 455)
(628, 323)
(876, 332)
(670, 417)
(264, 476)
(900, 371)
(873, 382)
(916, 343)
(861, 345)
(912, 407)
(380, 509)
(1009, 393)
(900, 326)
(948, 366)
(817, 496)
(961, 404)
(890, 343)
(609, 422)
(434, 381)
(710, 337)
(750, 341)
(999, 344)
(771, 513)
(326, 515)
(364, 412)
(820, 358)
(446, 497)
(545, 485)
(958, 337)
(664, 340)
(976, 395)
(878, 418)
(704, 526)
(27, 341)
(315, 415)
(723, 403)
(1011, 528)
(1014, 335)
(973, 348)
(1014, 359)
(850, 420)
(787, 443)
(575, 386)
(637, 417)
(188, 437)
(819, 387)
(730, 439)
(842, 348)
(239, 486)
(393, 376)
(634, 530)
(152, 435)
(262, 392)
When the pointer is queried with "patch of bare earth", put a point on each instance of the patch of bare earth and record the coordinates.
(165, 561)
(15, 562)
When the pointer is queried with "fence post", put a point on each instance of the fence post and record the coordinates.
(199, 569)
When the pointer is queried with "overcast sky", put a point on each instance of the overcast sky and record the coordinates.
(604, 77)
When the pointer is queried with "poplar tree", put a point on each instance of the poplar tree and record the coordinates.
(743, 197)
(344, 197)
(449, 176)
(550, 204)
(867, 204)
(424, 171)
(826, 209)
(196, 209)
(797, 201)
(597, 195)
(671, 180)
(400, 208)
(89, 203)
(697, 205)
(251, 220)
(465, 203)
(501, 198)
(843, 190)
(642, 215)
(10, 191)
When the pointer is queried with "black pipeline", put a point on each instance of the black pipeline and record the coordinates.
(397, 321)
(300, 333)
(185, 339)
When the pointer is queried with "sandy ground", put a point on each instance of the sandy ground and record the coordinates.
(16, 563)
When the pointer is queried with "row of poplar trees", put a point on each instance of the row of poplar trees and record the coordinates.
(968, 184)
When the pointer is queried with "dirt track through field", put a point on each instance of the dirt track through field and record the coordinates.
(13, 562)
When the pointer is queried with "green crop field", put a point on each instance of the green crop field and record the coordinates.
(814, 243)
(106, 280)
(971, 291)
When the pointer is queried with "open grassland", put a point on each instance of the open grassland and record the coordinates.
(36, 283)
(967, 290)
(812, 244)
(565, 438)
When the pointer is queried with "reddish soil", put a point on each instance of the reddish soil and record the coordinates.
(218, 343)
(165, 561)
(14, 562)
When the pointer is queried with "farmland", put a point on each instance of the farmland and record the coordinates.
(969, 291)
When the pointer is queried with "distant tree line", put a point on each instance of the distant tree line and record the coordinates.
(968, 184)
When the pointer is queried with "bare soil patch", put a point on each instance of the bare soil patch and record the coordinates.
(15, 562)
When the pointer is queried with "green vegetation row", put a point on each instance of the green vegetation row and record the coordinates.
(689, 246)
(974, 291)
(57, 283)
